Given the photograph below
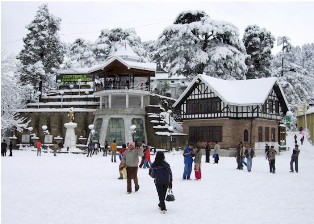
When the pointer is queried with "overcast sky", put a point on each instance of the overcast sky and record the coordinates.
(82, 19)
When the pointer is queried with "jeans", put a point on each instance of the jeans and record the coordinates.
(249, 163)
(145, 163)
(113, 156)
(272, 166)
(187, 170)
(295, 161)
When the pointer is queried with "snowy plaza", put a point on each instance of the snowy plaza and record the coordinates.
(72, 188)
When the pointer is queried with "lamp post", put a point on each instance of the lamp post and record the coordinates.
(133, 131)
(92, 131)
(169, 112)
(46, 132)
(79, 83)
(30, 129)
(59, 81)
(170, 128)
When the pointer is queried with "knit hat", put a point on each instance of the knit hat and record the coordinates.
(132, 143)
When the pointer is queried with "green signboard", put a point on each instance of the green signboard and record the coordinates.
(75, 78)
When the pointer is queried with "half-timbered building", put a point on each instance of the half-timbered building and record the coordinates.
(232, 111)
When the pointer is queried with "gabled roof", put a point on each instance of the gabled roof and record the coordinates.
(238, 92)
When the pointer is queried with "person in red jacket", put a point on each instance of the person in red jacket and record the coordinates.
(38, 146)
(147, 158)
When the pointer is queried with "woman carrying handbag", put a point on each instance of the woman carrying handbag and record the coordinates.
(161, 172)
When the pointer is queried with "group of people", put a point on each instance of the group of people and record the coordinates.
(4, 147)
(190, 152)
(243, 153)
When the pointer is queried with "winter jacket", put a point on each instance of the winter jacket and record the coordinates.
(113, 147)
(38, 145)
(272, 154)
(198, 157)
(216, 149)
(163, 173)
(147, 155)
(188, 154)
(249, 152)
(130, 157)
(295, 153)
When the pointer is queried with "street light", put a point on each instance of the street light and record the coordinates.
(79, 83)
(46, 132)
(169, 112)
(170, 128)
(133, 131)
(92, 131)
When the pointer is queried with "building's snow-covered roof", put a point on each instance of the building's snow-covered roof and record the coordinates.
(237, 92)
(165, 76)
(126, 52)
(73, 71)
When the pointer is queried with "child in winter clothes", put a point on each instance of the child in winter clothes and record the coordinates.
(147, 158)
(197, 163)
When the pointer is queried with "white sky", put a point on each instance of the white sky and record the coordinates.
(82, 19)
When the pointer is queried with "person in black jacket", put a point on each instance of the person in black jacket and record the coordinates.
(294, 159)
(162, 174)
(4, 146)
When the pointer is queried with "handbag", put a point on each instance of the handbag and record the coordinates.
(170, 196)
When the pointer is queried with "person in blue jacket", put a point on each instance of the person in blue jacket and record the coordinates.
(188, 154)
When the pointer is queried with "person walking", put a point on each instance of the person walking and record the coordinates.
(10, 148)
(38, 146)
(113, 149)
(188, 160)
(142, 147)
(130, 160)
(271, 158)
(216, 151)
(162, 177)
(207, 152)
(249, 154)
(106, 149)
(147, 162)
(266, 151)
(4, 146)
(239, 155)
(122, 168)
(295, 159)
(197, 163)
(90, 149)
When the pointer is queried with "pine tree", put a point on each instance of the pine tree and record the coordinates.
(80, 55)
(11, 96)
(110, 40)
(42, 50)
(258, 44)
(196, 44)
(294, 79)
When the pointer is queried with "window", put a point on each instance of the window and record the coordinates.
(260, 134)
(266, 134)
(277, 107)
(205, 133)
(246, 136)
(201, 106)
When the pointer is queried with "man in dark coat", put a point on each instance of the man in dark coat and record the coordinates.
(4, 146)
(294, 159)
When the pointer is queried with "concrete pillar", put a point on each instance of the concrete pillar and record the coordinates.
(109, 100)
(127, 100)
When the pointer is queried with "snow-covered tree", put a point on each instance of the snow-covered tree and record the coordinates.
(258, 44)
(109, 40)
(196, 44)
(42, 50)
(308, 58)
(80, 55)
(11, 96)
(295, 80)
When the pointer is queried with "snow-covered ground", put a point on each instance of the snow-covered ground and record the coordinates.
(74, 189)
